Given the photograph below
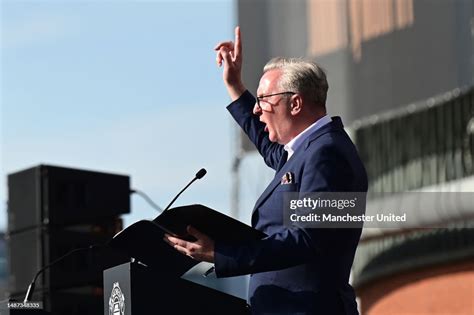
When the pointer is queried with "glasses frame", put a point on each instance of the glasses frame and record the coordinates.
(259, 98)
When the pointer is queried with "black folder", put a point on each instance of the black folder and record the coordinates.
(143, 240)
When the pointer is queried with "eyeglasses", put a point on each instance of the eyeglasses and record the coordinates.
(259, 98)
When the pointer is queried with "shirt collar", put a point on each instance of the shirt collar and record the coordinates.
(296, 142)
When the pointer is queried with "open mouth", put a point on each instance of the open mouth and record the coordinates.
(266, 126)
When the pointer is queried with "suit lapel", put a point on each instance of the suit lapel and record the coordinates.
(274, 183)
(282, 162)
(283, 168)
(334, 125)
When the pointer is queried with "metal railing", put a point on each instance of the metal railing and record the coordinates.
(424, 144)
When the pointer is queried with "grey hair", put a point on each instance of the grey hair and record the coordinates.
(301, 76)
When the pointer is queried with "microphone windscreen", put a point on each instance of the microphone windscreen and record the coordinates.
(201, 173)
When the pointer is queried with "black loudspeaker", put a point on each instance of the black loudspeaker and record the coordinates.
(32, 249)
(51, 211)
(57, 196)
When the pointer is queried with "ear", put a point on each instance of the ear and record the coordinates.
(296, 104)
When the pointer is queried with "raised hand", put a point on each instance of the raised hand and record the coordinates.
(230, 54)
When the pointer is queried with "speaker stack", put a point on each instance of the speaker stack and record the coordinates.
(52, 210)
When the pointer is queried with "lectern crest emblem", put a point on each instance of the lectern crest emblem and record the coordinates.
(116, 301)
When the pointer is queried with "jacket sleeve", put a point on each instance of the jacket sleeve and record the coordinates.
(242, 111)
(291, 246)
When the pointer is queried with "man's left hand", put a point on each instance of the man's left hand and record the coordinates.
(202, 249)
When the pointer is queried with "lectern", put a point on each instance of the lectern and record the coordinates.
(133, 288)
(151, 282)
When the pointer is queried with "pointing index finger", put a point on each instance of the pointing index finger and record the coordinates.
(238, 43)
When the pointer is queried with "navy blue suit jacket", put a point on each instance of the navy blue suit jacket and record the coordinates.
(297, 270)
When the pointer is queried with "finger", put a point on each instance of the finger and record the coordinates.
(182, 250)
(238, 44)
(219, 55)
(226, 56)
(177, 241)
(174, 243)
(168, 242)
(228, 44)
(219, 58)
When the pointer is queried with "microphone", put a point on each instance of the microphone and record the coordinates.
(31, 287)
(200, 174)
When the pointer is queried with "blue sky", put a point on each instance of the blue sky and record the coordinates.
(127, 87)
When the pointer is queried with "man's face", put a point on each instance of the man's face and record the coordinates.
(275, 112)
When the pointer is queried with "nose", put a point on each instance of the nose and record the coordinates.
(256, 109)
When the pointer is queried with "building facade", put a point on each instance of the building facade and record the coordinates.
(401, 75)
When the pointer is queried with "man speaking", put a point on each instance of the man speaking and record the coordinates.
(294, 270)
